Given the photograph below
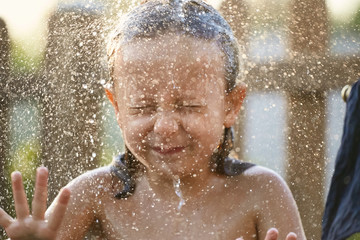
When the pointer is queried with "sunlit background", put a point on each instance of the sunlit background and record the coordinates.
(27, 19)
(27, 24)
(266, 112)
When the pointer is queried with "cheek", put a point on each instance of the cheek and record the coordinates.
(206, 129)
(136, 129)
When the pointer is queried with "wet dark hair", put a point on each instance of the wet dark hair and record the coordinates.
(193, 18)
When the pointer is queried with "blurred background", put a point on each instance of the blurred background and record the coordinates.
(291, 121)
(27, 21)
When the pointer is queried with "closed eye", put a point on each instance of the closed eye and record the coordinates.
(140, 107)
(147, 109)
(191, 107)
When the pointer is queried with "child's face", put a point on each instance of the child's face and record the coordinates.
(170, 102)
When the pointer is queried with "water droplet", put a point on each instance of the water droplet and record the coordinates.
(176, 184)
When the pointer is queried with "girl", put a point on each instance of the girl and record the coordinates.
(174, 66)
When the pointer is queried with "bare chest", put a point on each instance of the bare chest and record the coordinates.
(157, 219)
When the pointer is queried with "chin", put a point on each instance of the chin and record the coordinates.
(177, 172)
(171, 167)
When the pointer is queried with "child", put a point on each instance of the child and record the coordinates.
(174, 66)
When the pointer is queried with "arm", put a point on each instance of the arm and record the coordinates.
(277, 208)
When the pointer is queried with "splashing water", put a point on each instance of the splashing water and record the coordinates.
(176, 184)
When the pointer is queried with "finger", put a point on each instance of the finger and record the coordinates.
(5, 219)
(272, 234)
(59, 210)
(291, 236)
(40, 196)
(21, 205)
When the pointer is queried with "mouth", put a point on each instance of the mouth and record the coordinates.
(168, 150)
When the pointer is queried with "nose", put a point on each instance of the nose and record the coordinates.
(166, 124)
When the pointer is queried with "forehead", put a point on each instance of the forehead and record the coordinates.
(179, 61)
(170, 46)
(167, 51)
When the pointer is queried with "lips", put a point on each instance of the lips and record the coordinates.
(168, 150)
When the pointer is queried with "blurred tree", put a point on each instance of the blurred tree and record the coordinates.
(355, 22)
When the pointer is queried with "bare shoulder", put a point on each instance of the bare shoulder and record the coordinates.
(87, 187)
(87, 191)
(95, 177)
(266, 179)
(259, 188)
(273, 202)
(268, 187)
(99, 182)
(259, 178)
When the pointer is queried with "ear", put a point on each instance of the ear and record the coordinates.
(233, 103)
(109, 91)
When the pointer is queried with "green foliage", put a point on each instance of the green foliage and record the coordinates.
(355, 23)
(22, 61)
(24, 159)
(355, 236)
(106, 157)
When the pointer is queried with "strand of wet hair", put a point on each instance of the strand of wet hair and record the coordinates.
(222, 152)
(126, 166)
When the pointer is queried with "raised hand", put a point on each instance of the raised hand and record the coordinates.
(33, 226)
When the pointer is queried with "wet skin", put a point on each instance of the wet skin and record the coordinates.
(170, 102)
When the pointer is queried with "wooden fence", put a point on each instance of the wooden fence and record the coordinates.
(306, 76)
(68, 91)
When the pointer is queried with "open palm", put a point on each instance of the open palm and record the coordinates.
(34, 226)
